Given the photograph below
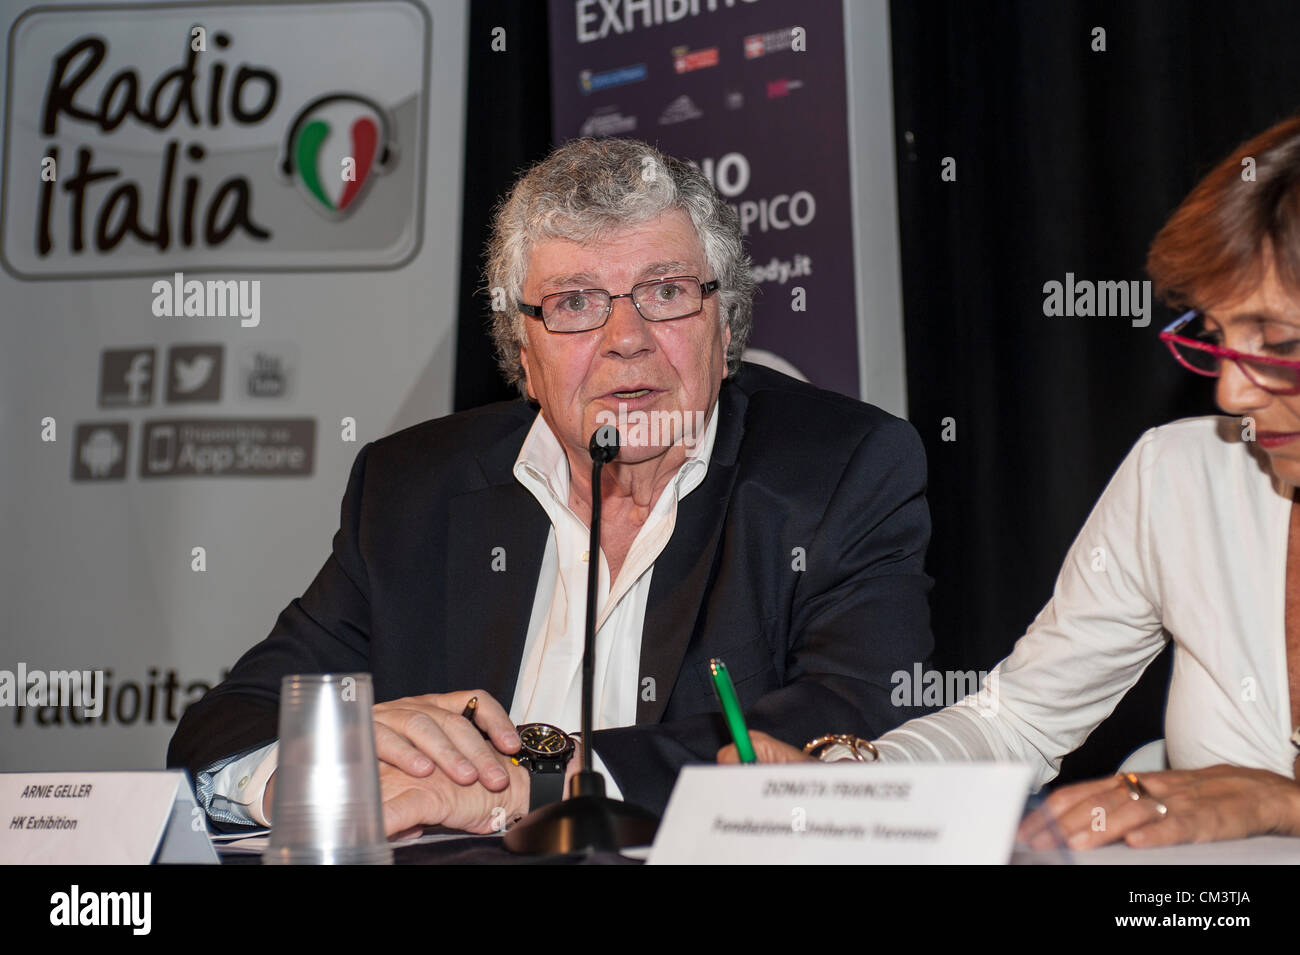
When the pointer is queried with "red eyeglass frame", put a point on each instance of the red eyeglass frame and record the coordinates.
(1242, 359)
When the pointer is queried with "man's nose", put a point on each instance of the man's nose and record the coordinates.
(1236, 393)
(626, 333)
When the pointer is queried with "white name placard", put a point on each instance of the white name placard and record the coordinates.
(846, 812)
(131, 818)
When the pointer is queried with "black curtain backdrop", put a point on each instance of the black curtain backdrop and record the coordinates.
(507, 129)
(1068, 160)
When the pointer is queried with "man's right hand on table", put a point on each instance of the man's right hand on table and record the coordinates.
(435, 768)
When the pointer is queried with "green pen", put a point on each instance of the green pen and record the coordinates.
(726, 691)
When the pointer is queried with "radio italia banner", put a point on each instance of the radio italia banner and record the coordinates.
(226, 266)
(753, 92)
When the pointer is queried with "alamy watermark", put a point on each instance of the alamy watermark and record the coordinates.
(654, 428)
(1085, 298)
(214, 298)
(130, 909)
(80, 688)
(920, 687)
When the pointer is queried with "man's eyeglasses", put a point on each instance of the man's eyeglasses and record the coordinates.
(1278, 376)
(659, 300)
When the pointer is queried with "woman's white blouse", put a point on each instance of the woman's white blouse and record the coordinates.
(1188, 542)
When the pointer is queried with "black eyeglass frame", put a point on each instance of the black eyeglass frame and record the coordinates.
(706, 289)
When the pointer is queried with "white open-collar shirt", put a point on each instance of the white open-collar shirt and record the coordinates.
(549, 689)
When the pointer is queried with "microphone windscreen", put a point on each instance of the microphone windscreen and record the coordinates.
(603, 445)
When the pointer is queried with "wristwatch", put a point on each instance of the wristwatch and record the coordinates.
(545, 752)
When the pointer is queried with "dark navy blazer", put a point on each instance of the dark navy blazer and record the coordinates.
(798, 561)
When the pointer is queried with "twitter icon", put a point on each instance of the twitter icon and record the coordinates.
(194, 373)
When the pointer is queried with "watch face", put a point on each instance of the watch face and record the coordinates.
(542, 739)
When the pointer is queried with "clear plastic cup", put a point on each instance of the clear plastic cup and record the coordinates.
(326, 808)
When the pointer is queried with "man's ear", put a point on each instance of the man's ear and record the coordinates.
(726, 344)
(528, 386)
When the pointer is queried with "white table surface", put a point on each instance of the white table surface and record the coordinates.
(1258, 850)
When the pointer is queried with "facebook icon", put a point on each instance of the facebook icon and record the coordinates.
(126, 377)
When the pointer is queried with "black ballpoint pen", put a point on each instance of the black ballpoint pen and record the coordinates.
(468, 713)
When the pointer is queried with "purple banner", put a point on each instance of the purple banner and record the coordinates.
(753, 93)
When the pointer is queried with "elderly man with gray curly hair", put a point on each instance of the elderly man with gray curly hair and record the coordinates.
(748, 516)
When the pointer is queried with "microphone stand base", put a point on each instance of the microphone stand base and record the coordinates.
(582, 824)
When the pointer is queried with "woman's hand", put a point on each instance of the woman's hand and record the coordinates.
(1203, 805)
(767, 749)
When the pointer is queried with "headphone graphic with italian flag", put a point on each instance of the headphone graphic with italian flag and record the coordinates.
(369, 146)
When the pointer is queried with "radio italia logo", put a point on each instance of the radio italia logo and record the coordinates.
(333, 147)
(156, 139)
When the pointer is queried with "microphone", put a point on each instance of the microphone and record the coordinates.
(604, 444)
(588, 820)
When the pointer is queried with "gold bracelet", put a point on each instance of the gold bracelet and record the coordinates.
(855, 744)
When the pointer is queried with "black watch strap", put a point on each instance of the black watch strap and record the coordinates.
(545, 788)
